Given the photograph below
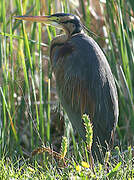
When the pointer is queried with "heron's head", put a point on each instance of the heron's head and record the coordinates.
(69, 22)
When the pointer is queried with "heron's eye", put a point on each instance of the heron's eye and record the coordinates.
(57, 19)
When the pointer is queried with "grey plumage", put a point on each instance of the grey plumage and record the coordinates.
(86, 65)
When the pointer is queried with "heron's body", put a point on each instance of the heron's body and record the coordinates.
(84, 80)
(85, 84)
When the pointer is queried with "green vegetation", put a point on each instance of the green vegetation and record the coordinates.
(22, 169)
(30, 114)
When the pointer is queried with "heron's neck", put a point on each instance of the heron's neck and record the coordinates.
(61, 39)
(57, 41)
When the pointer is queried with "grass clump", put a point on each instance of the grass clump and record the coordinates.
(31, 169)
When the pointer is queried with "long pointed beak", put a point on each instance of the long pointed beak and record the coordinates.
(41, 19)
(49, 20)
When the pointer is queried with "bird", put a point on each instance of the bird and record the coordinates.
(84, 80)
